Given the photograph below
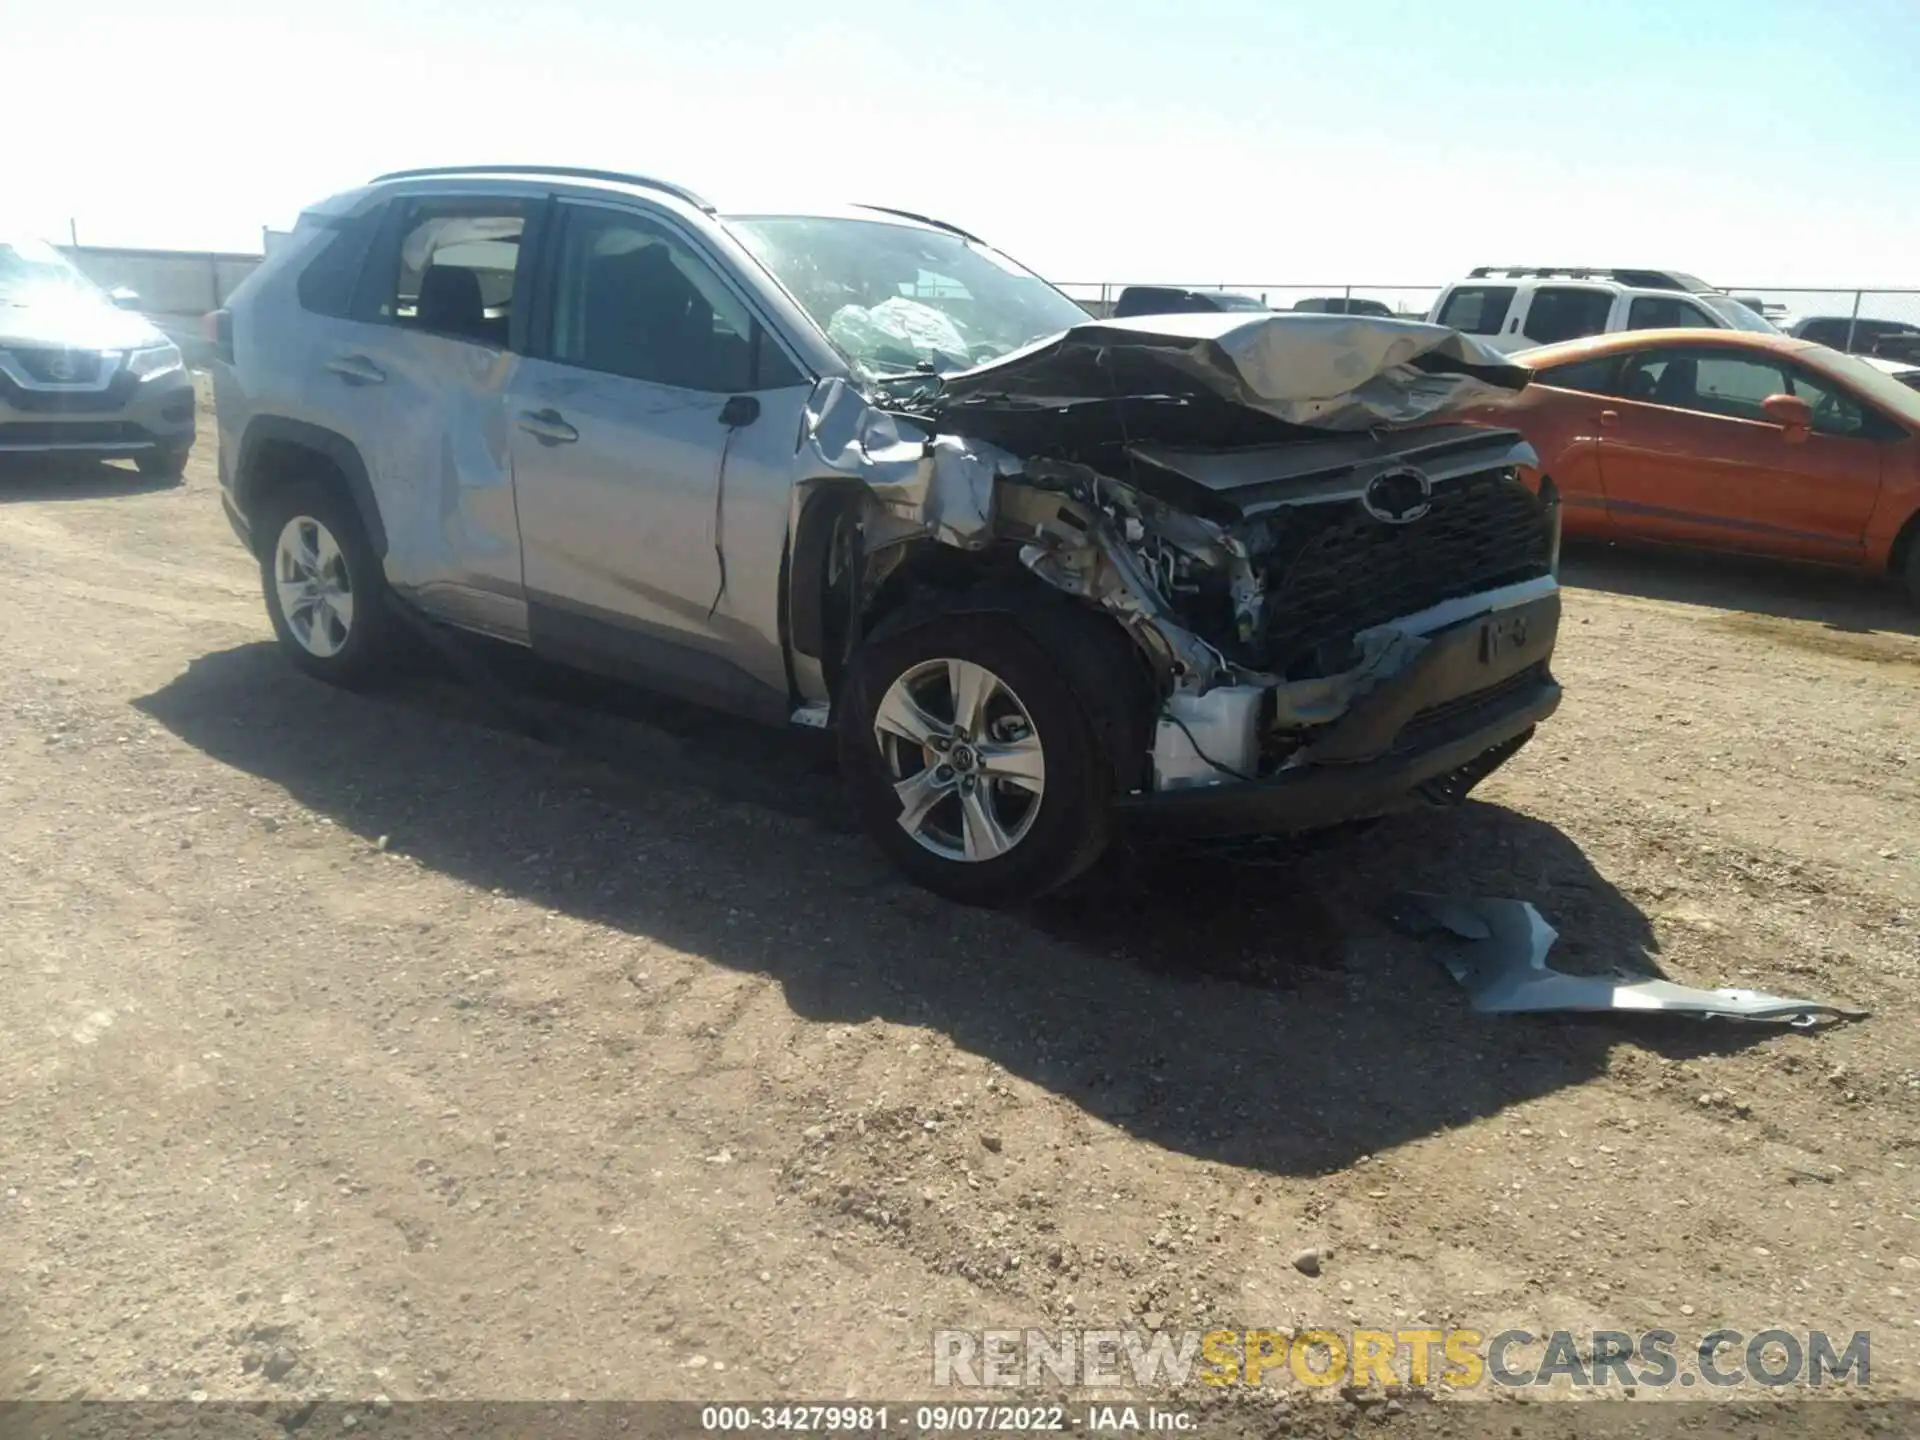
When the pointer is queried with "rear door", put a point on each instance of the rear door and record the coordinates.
(1560, 414)
(418, 377)
(1689, 455)
(653, 431)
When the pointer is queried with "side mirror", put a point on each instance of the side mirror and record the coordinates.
(1792, 414)
(126, 299)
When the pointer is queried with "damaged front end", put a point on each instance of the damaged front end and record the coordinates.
(1346, 607)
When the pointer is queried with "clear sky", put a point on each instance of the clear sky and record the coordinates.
(1357, 141)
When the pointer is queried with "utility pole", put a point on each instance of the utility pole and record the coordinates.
(73, 233)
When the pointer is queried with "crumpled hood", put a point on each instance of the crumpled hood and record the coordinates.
(1334, 372)
(76, 323)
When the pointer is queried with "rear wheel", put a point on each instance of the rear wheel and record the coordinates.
(162, 464)
(1912, 569)
(325, 591)
(971, 760)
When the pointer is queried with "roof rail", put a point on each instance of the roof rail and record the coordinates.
(1638, 279)
(569, 172)
(924, 220)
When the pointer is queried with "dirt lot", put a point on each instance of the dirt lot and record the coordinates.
(358, 1046)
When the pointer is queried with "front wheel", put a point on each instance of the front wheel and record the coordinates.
(162, 464)
(971, 761)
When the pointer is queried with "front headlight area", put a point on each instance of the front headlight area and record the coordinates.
(154, 361)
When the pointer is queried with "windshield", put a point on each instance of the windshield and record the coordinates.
(1871, 381)
(33, 271)
(899, 298)
(1739, 316)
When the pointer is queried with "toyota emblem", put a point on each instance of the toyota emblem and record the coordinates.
(1398, 497)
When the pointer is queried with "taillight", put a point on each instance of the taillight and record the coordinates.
(216, 328)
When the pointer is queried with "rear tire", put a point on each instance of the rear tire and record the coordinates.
(163, 464)
(995, 811)
(1912, 569)
(325, 590)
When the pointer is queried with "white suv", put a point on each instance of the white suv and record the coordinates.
(1518, 307)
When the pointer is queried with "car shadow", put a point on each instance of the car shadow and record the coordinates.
(46, 477)
(1839, 600)
(1258, 1014)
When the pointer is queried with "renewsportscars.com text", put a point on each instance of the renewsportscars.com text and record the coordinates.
(1460, 1358)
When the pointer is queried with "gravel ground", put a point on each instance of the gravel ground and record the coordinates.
(358, 1046)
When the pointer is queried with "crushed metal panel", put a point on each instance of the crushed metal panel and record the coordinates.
(1334, 372)
(928, 485)
(1497, 950)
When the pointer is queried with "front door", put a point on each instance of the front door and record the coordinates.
(652, 402)
(1689, 455)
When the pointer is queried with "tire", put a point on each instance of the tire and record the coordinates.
(163, 464)
(1027, 843)
(351, 644)
(1912, 570)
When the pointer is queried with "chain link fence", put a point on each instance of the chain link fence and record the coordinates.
(1781, 305)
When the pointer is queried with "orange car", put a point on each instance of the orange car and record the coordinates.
(1727, 440)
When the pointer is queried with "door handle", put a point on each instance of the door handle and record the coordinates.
(548, 427)
(1607, 417)
(356, 370)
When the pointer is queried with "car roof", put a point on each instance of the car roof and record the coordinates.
(1855, 320)
(651, 187)
(1618, 277)
(1616, 341)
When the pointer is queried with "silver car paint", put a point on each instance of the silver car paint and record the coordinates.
(482, 515)
(1497, 950)
(454, 542)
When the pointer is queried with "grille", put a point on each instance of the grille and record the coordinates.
(59, 367)
(1335, 570)
(1434, 722)
(72, 432)
(69, 402)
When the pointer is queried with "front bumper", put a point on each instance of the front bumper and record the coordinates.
(1466, 705)
(128, 418)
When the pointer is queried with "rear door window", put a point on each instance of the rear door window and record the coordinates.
(1667, 312)
(449, 267)
(1567, 312)
(1477, 309)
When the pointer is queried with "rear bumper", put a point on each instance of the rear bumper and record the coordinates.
(1426, 738)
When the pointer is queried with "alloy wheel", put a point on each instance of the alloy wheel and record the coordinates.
(965, 759)
(314, 588)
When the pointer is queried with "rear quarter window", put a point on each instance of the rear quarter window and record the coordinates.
(327, 283)
(1476, 309)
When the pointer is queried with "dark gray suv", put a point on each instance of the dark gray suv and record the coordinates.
(79, 375)
(856, 468)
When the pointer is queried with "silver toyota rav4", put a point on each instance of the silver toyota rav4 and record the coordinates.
(1226, 573)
